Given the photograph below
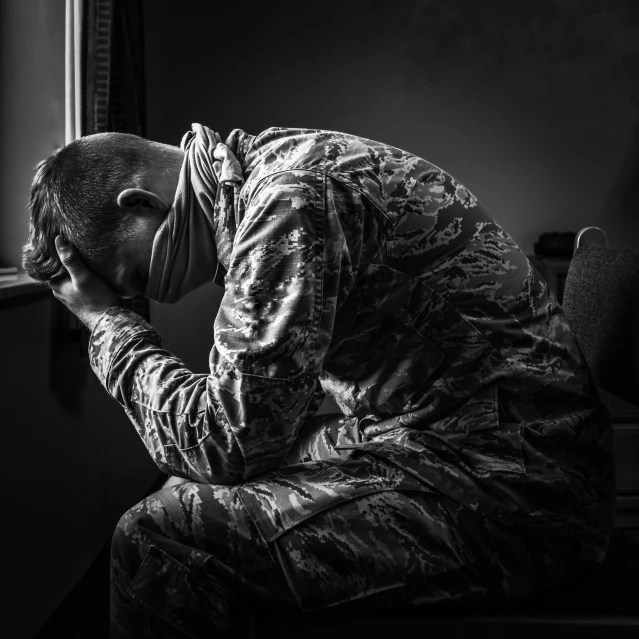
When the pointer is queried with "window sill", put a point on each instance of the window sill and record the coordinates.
(22, 286)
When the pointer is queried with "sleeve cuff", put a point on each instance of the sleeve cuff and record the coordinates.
(114, 329)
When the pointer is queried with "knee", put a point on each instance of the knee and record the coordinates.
(130, 541)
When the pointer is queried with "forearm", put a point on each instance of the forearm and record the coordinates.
(217, 428)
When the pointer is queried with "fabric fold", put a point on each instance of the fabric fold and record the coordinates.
(184, 253)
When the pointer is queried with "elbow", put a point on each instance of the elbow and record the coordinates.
(210, 465)
(211, 451)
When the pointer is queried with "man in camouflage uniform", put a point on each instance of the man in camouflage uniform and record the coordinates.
(472, 462)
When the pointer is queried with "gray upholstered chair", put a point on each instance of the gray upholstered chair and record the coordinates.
(601, 300)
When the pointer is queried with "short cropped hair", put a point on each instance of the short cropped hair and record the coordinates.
(74, 193)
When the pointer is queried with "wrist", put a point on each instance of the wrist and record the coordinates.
(91, 318)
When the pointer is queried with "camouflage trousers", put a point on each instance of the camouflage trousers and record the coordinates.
(188, 561)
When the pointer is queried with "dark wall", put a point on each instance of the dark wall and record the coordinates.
(72, 462)
(534, 110)
(526, 126)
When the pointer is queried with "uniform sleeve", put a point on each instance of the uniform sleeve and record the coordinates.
(271, 335)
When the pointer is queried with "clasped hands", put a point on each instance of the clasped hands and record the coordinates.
(84, 293)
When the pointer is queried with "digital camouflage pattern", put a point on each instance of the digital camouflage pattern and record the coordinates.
(188, 561)
(354, 268)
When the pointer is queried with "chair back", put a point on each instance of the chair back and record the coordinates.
(601, 302)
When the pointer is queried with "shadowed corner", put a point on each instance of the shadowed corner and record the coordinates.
(69, 362)
(583, 53)
(621, 207)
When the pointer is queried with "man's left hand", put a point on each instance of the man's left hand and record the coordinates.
(82, 292)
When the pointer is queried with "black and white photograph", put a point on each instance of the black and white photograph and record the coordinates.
(319, 320)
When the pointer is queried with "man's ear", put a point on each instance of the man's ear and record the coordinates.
(140, 201)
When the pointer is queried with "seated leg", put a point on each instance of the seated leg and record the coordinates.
(188, 562)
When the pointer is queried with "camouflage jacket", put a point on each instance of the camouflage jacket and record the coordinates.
(357, 268)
